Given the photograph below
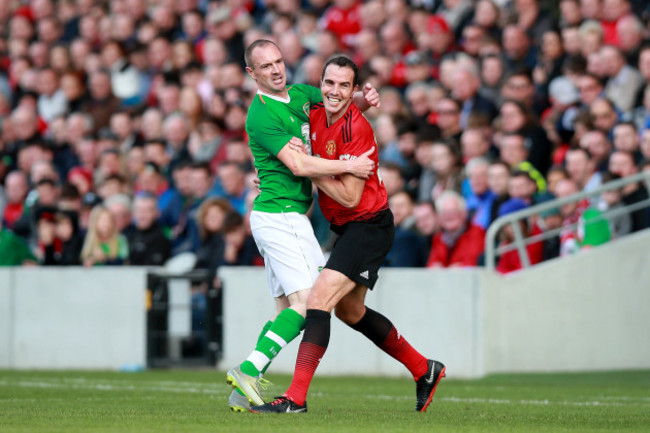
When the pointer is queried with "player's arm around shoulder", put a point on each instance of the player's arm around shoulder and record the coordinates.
(295, 157)
(346, 189)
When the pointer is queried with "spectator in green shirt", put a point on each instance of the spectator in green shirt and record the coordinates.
(14, 251)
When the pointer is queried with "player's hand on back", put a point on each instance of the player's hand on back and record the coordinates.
(362, 166)
(296, 144)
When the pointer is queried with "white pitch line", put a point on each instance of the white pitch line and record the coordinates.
(116, 387)
(217, 389)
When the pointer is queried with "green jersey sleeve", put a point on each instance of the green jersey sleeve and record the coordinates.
(313, 93)
(267, 130)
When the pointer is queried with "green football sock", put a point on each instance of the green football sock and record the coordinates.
(265, 328)
(284, 328)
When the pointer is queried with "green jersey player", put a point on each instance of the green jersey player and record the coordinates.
(278, 117)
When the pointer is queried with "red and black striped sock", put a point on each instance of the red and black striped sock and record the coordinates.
(381, 331)
(312, 348)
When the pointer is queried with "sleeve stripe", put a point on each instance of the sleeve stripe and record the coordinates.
(347, 128)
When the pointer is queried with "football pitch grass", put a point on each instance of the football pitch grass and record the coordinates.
(196, 401)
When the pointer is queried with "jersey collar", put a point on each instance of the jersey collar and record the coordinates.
(277, 98)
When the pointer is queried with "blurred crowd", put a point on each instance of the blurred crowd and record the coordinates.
(122, 136)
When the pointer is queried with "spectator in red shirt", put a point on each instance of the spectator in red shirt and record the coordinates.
(342, 19)
(16, 187)
(459, 243)
(510, 260)
(396, 44)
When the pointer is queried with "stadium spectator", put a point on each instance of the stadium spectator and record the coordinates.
(14, 251)
(101, 103)
(406, 249)
(604, 114)
(45, 195)
(582, 170)
(240, 248)
(466, 84)
(518, 51)
(60, 240)
(548, 220)
(554, 176)
(474, 144)
(210, 219)
(492, 76)
(426, 224)
(571, 214)
(610, 201)
(510, 260)
(448, 112)
(16, 187)
(51, 100)
(645, 145)
(498, 180)
(598, 146)
(103, 243)
(459, 243)
(478, 195)
(518, 85)
(148, 244)
(232, 185)
(516, 119)
(119, 205)
(627, 139)
(623, 164)
(624, 81)
(513, 150)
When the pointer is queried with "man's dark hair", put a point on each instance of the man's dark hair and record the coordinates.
(628, 123)
(577, 148)
(204, 166)
(521, 173)
(232, 221)
(69, 192)
(608, 176)
(343, 62)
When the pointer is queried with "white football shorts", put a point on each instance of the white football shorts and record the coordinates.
(292, 255)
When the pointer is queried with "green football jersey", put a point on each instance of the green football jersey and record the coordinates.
(270, 124)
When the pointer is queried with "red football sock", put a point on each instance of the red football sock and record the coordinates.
(309, 356)
(376, 327)
(312, 348)
(396, 346)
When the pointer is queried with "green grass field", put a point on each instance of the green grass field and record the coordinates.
(196, 401)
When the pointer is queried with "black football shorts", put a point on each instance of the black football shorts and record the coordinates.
(362, 247)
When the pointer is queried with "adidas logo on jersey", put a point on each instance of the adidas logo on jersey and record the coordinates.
(365, 274)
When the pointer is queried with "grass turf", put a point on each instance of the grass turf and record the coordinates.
(196, 401)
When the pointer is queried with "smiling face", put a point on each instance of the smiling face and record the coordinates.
(268, 70)
(337, 88)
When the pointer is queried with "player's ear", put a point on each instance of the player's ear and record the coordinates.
(250, 72)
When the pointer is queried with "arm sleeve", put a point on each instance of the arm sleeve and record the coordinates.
(362, 137)
(313, 94)
(268, 133)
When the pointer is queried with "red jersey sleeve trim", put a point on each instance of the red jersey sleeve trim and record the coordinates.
(347, 128)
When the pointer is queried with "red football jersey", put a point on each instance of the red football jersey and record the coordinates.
(348, 138)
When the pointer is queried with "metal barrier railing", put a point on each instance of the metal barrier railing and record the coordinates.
(519, 243)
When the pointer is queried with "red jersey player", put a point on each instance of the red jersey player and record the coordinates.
(358, 212)
(336, 141)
